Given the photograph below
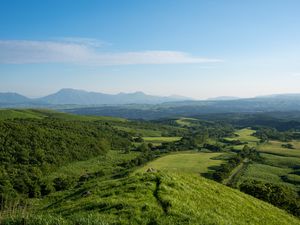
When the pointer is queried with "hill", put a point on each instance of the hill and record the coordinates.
(156, 198)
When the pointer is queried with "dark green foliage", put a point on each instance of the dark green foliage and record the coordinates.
(250, 153)
(31, 148)
(63, 183)
(225, 169)
(246, 154)
(271, 133)
(213, 148)
(288, 145)
(278, 195)
(233, 142)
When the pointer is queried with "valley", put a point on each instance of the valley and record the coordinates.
(170, 171)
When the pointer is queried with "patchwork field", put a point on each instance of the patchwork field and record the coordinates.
(188, 162)
(280, 165)
(275, 147)
(245, 135)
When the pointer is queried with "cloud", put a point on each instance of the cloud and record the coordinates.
(86, 51)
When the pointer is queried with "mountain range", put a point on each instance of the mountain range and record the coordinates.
(68, 96)
(139, 105)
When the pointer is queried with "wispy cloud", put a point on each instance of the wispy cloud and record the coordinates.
(86, 51)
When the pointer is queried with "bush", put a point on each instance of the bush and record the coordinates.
(278, 195)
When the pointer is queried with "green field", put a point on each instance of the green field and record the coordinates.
(278, 162)
(187, 162)
(186, 121)
(245, 135)
(275, 147)
(161, 139)
(265, 173)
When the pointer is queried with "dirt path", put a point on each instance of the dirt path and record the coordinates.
(236, 172)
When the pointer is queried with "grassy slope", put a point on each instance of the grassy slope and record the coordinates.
(189, 162)
(43, 113)
(14, 114)
(161, 198)
(107, 163)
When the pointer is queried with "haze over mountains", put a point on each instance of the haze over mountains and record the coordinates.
(79, 97)
(139, 105)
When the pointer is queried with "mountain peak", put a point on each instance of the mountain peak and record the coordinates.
(81, 97)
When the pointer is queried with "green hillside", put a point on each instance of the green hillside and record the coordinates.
(156, 198)
(46, 113)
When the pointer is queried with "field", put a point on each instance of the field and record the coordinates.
(279, 164)
(274, 147)
(161, 139)
(265, 173)
(186, 121)
(245, 135)
(188, 162)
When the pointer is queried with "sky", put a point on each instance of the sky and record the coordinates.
(193, 48)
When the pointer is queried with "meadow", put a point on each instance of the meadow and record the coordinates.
(187, 162)
(275, 147)
(245, 135)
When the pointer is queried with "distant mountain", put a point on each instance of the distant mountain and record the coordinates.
(139, 105)
(12, 98)
(282, 103)
(223, 98)
(69, 96)
(79, 97)
(280, 96)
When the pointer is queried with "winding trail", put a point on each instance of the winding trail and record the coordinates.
(236, 173)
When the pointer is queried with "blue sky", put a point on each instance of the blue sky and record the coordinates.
(194, 48)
